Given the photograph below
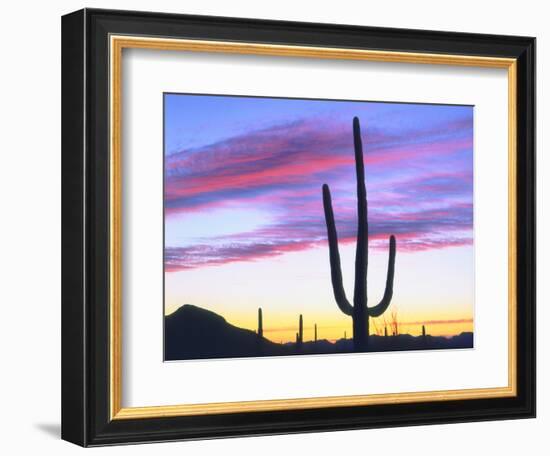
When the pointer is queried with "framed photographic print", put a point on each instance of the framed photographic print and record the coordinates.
(279, 227)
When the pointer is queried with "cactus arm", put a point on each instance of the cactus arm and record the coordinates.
(361, 252)
(334, 255)
(381, 307)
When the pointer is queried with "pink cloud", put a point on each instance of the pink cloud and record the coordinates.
(419, 185)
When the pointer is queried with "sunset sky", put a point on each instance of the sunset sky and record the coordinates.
(244, 221)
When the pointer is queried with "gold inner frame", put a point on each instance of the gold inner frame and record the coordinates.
(117, 44)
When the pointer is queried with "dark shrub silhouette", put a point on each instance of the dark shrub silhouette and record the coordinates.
(359, 312)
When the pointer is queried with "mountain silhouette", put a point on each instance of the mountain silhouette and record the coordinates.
(195, 333)
(192, 332)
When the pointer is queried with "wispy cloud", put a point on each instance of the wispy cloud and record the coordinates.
(419, 182)
(438, 322)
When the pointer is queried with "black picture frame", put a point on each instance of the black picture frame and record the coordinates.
(85, 224)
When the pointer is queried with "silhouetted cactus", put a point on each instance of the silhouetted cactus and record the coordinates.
(385, 332)
(424, 338)
(300, 333)
(359, 312)
(260, 324)
(315, 335)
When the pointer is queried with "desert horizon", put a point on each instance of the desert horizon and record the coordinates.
(286, 333)
(195, 333)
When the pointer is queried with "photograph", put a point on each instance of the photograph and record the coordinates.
(316, 226)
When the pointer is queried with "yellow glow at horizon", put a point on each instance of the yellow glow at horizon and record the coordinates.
(430, 286)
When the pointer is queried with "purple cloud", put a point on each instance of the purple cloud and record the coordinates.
(419, 186)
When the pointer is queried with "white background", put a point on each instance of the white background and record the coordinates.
(148, 73)
(30, 230)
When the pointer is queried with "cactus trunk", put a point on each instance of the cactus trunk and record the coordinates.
(300, 333)
(260, 324)
(315, 332)
(360, 315)
(359, 312)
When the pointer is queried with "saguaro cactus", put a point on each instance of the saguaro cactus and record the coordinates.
(300, 333)
(315, 335)
(424, 338)
(359, 312)
(260, 323)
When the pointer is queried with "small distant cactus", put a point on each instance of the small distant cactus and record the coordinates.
(359, 312)
(260, 324)
(300, 333)
(315, 334)
(424, 338)
(385, 332)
